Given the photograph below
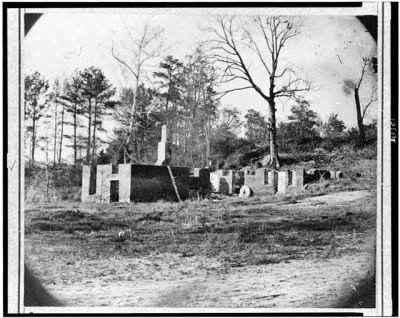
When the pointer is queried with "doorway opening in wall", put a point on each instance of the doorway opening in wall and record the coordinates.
(266, 181)
(92, 179)
(275, 180)
(114, 191)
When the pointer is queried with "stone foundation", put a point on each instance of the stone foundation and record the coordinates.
(199, 181)
(135, 183)
(260, 181)
(149, 183)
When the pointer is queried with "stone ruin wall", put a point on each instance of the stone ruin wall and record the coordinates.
(149, 183)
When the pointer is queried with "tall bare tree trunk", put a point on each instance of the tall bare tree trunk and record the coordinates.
(275, 31)
(167, 117)
(274, 159)
(131, 131)
(207, 146)
(47, 170)
(55, 135)
(134, 110)
(89, 133)
(359, 118)
(61, 135)
(94, 130)
(33, 138)
(75, 128)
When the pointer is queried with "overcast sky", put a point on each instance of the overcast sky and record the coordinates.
(328, 51)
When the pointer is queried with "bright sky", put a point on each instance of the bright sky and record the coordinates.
(329, 50)
(60, 43)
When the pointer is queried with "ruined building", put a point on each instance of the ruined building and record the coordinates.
(149, 183)
(142, 183)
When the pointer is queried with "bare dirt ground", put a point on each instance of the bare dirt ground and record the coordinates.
(291, 252)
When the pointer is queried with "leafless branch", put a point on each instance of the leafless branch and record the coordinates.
(372, 99)
(123, 62)
(225, 50)
(365, 64)
(222, 94)
(258, 51)
(274, 32)
(286, 69)
(293, 87)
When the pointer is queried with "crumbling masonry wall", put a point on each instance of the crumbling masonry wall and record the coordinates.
(223, 181)
(199, 181)
(134, 183)
(261, 181)
(149, 183)
(152, 183)
(266, 181)
(103, 180)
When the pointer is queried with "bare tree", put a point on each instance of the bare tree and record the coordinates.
(62, 122)
(54, 95)
(266, 37)
(142, 49)
(349, 86)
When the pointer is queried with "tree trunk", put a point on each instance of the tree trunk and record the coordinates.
(75, 128)
(94, 130)
(185, 140)
(193, 140)
(47, 170)
(274, 159)
(359, 118)
(61, 135)
(33, 138)
(131, 135)
(89, 133)
(167, 117)
(142, 145)
(55, 136)
(207, 137)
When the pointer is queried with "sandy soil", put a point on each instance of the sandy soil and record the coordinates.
(170, 281)
(173, 280)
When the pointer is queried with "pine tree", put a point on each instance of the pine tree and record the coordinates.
(36, 101)
(96, 92)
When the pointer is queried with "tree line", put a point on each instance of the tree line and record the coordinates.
(185, 94)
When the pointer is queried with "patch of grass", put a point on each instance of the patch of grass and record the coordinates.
(257, 232)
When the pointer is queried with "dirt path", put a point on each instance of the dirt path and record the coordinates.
(338, 198)
(297, 284)
(196, 282)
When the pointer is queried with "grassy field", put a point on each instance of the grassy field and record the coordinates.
(308, 249)
(314, 248)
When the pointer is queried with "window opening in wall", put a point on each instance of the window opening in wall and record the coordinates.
(266, 181)
(114, 169)
(290, 177)
(225, 172)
